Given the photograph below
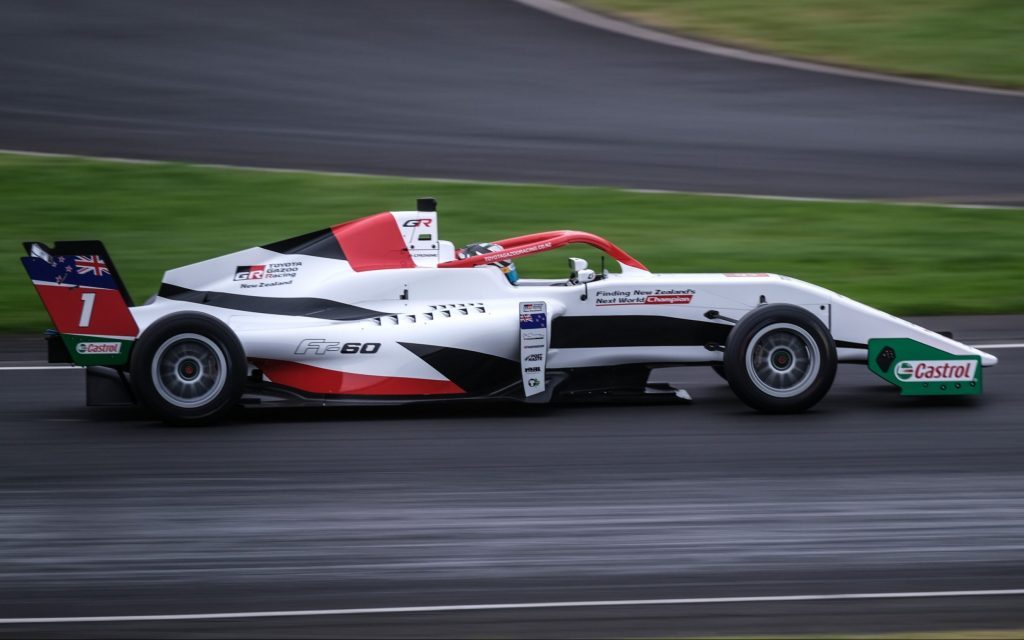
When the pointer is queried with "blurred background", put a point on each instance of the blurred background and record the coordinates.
(875, 148)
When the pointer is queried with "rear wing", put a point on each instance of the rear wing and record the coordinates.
(86, 300)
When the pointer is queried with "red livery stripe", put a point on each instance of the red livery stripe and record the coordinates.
(372, 243)
(88, 311)
(328, 381)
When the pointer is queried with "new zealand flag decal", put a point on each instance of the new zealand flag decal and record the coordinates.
(81, 271)
(533, 320)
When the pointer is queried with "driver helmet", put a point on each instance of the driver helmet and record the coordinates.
(478, 248)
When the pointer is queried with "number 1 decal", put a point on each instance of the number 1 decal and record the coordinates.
(87, 301)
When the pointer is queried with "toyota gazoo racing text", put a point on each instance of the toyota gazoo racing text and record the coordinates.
(381, 310)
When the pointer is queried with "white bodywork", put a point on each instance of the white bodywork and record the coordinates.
(477, 309)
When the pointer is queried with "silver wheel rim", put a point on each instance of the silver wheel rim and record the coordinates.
(783, 360)
(189, 370)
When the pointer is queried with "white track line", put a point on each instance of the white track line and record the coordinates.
(525, 605)
(579, 15)
(498, 183)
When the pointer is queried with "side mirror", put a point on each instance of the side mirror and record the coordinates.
(580, 273)
(585, 275)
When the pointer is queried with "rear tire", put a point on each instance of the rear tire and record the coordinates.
(188, 368)
(780, 358)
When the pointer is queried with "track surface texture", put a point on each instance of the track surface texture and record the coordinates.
(108, 513)
(482, 89)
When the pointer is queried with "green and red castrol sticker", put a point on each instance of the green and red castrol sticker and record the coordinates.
(97, 350)
(920, 370)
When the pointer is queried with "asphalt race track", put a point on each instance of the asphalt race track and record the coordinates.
(108, 513)
(482, 89)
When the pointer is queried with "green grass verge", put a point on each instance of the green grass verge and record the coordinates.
(904, 259)
(978, 41)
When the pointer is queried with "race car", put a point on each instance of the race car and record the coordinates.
(381, 310)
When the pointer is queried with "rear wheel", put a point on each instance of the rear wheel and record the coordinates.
(780, 358)
(188, 368)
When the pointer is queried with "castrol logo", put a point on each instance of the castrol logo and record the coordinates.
(98, 348)
(935, 370)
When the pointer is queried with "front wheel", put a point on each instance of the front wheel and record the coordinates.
(780, 358)
(188, 368)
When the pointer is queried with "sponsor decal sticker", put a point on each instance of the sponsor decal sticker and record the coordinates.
(935, 370)
(676, 298)
(417, 222)
(922, 370)
(498, 256)
(267, 275)
(316, 346)
(98, 348)
(252, 272)
(533, 320)
(533, 334)
(612, 297)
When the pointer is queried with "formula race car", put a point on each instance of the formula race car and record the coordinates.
(380, 310)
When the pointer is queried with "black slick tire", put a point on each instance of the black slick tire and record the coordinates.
(188, 368)
(780, 358)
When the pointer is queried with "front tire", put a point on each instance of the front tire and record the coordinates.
(188, 368)
(780, 358)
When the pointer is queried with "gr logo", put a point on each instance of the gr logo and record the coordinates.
(417, 222)
(250, 272)
(323, 347)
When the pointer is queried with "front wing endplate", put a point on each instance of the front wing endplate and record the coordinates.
(920, 370)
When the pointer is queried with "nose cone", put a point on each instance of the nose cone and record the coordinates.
(988, 360)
